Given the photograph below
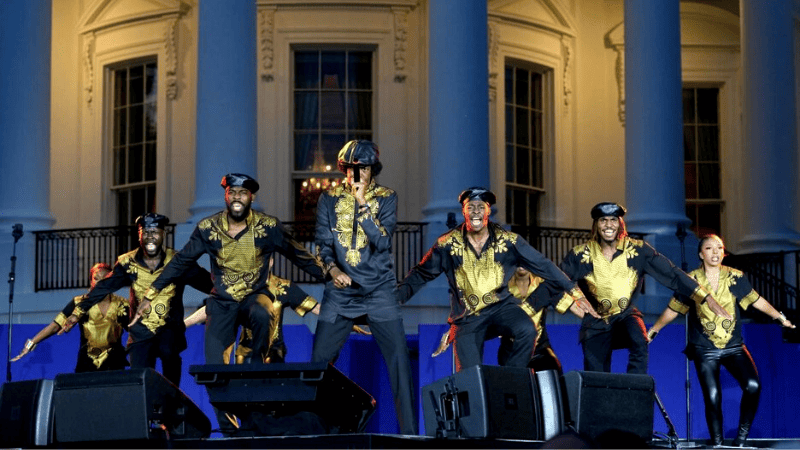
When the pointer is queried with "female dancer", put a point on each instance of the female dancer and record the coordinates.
(715, 341)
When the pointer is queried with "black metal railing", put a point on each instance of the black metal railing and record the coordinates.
(64, 257)
(767, 273)
(408, 247)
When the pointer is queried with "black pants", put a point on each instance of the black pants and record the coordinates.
(506, 319)
(114, 361)
(391, 338)
(167, 346)
(623, 332)
(707, 362)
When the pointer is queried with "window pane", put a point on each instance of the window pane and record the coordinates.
(522, 138)
(689, 151)
(708, 175)
(511, 162)
(691, 213)
(359, 70)
(522, 96)
(333, 70)
(305, 145)
(306, 110)
(331, 144)
(152, 121)
(707, 105)
(538, 169)
(707, 143)
(536, 129)
(123, 208)
(709, 219)
(135, 164)
(136, 124)
(306, 194)
(359, 112)
(688, 106)
(509, 123)
(509, 84)
(520, 207)
(332, 109)
(151, 83)
(120, 87)
(137, 84)
(690, 177)
(523, 172)
(138, 203)
(509, 202)
(150, 162)
(364, 136)
(119, 165)
(306, 70)
(120, 124)
(536, 91)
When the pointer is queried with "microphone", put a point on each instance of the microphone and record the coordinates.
(17, 232)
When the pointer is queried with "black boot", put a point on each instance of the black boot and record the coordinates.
(716, 440)
(741, 438)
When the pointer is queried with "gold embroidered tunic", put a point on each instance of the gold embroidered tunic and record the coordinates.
(100, 347)
(481, 280)
(166, 309)
(239, 265)
(706, 329)
(613, 286)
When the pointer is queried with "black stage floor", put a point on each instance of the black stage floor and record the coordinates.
(392, 441)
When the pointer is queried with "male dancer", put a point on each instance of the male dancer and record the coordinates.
(610, 268)
(355, 223)
(479, 258)
(159, 333)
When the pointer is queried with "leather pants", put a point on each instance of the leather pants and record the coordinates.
(707, 362)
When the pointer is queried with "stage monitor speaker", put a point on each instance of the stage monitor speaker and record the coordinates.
(26, 413)
(552, 394)
(483, 402)
(601, 402)
(135, 405)
(285, 389)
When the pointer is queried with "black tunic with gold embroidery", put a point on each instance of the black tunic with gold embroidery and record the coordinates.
(360, 244)
(101, 347)
(166, 308)
(239, 265)
(481, 281)
(613, 286)
(706, 329)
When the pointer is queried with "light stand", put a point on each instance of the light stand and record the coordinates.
(17, 233)
(681, 235)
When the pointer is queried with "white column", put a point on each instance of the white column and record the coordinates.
(459, 107)
(769, 180)
(226, 99)
(25, 114)
(654, 189)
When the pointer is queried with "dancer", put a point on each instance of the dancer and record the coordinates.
(355, 223)
(610, 269)
(158, 332)
(716, 341)
(479, 258)
(101, 330)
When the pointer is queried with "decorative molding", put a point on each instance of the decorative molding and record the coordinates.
(615, 39)
(567, 54)
(266, 47)
(619, 71)
(400, 43)
(494, 49)
(88, 65)
(171, 57)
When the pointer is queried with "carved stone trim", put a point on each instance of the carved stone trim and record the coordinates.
(400, 43)
(266, 47)
(567, 54)
(494, 49)
(88, 65)
(620, 74)
(171, 58)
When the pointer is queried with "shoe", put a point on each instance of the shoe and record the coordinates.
(741, 437)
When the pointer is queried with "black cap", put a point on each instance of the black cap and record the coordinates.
(240, 179)
(607, 209)
(151, 220)
(477, 193)
(358, 153)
